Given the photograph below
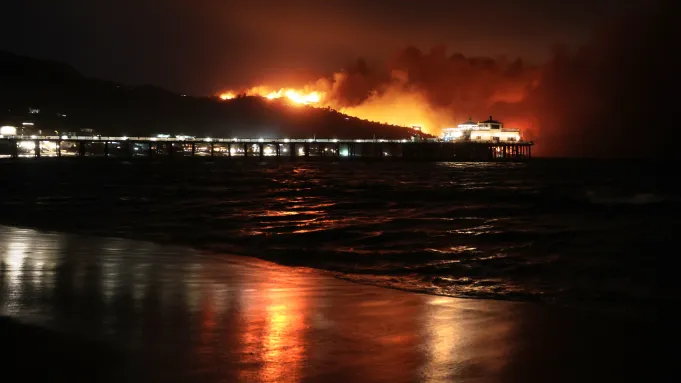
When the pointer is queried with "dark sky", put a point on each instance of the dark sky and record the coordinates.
(202, 46)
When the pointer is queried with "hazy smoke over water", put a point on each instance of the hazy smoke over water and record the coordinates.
(610, 97)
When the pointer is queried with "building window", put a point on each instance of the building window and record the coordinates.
(495, 139)
(478, 137)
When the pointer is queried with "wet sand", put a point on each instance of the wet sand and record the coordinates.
(139, 311)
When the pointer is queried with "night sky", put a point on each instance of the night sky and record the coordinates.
(581, 77)
(202, 46)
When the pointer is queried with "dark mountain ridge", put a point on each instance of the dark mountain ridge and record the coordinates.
(68, 101)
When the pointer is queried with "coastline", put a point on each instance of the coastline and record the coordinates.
(636, 315)
(179, 315)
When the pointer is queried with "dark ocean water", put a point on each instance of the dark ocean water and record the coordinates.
(584, 233)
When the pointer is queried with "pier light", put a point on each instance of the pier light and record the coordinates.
(335, 140)
(8, 130)
(208, 139)
(235, 139)
(179, 138)
(27, 124)
(28, 145)
(49, 145)
(124, 138)
(64, 137)
(33, 137)
(403, 140)
(261, 140)
(310, 140)
(358, 140)
(154, 138)
(287, 140)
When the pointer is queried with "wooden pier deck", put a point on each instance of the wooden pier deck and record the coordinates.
(262, 148)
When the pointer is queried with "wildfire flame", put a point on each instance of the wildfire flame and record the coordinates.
(227, 96)
(403, 112)
(294, 95)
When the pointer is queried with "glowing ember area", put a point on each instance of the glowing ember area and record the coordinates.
(294, 95)
(227, 96)
(309, 98)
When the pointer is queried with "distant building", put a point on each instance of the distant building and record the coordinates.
(488, 130)
(86, 132)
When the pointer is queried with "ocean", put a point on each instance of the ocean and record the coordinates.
(589, 234)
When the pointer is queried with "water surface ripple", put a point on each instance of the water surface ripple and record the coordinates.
(582, 233)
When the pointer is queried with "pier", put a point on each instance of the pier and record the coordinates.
(262, 148)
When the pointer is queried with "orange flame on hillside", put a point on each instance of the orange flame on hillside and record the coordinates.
(227, 96)
(396, 109)
(296, 96)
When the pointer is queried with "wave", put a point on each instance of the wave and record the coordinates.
(504, 232)
(611, 198)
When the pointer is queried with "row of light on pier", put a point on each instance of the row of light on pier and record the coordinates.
(206, 139)
(286, 140)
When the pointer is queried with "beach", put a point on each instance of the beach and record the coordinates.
(152, 312)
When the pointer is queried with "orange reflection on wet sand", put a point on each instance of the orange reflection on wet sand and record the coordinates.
(178, 315)
(274, 317)
(283, 343)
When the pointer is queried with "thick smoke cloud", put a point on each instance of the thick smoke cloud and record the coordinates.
(606, 98)
(432, 89)
(613, 96)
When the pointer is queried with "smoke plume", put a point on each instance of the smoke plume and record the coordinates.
(606, 98)
(610, 97)
(432, 89)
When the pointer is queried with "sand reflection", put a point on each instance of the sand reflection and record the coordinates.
(274, 322)
(188, 316)
(442, 341)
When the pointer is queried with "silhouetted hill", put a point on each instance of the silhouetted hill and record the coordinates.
(67, 101)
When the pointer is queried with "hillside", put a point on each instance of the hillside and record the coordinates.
(68, 100)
